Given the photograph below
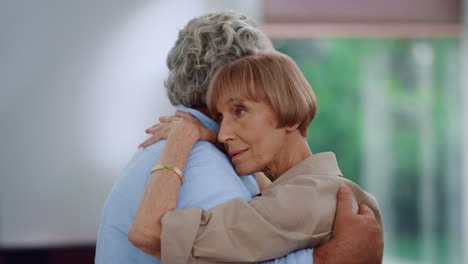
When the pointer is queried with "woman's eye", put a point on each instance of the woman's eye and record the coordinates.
(239, 112)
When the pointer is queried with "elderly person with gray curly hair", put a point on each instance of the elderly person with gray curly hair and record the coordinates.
(203, 46)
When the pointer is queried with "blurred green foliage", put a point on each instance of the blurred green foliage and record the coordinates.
(335, 68)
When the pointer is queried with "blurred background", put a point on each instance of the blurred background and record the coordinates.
(81, 80)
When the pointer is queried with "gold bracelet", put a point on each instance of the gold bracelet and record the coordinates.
(169, 167)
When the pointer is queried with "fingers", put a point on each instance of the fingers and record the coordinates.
(152, 129)
(164, 120)
(184, 114)
(151, 140)
(177, 116)
(162, 129)
(167, 119)
(365, 210)
(159, 132)
(344, 202)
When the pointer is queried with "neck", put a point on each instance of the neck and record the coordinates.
(203, 110)
(294, 151)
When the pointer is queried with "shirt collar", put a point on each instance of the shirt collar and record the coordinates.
(319, 164)
(205, 120)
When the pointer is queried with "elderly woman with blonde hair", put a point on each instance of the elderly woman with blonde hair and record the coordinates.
(264, 106)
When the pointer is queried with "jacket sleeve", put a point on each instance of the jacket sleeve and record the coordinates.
(295, 216)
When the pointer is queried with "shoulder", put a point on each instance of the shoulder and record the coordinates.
(306, 196)
(204, 151)
(131, 182)
(305, 183)
(205, 155)
(208, 164)
(210, 179)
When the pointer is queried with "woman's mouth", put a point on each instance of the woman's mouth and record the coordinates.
(237, 153)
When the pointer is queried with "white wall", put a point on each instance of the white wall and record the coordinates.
(80, 81)
(464, 83)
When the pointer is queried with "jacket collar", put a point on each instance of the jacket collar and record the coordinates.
(319, 164)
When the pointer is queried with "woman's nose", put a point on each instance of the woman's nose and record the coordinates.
(225, 132)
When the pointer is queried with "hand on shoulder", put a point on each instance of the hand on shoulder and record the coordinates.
(181, 125)
(357, 238)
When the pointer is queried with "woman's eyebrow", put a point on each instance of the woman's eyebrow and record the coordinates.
(232, 101)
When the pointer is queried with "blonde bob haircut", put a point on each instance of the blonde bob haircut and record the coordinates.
(271, 77)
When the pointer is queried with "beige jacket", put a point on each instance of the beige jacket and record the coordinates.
(295, 212)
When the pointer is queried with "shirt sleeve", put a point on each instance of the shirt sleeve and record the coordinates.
(296, 215)
(210, 179)
(305, 256)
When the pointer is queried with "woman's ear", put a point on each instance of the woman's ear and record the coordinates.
(292, 128)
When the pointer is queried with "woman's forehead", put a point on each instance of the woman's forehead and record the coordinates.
(229, 101)
(235, 100)
(226, 103)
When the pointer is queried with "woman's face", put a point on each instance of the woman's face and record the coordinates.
(250, 134)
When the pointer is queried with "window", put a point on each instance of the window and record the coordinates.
(390, 110)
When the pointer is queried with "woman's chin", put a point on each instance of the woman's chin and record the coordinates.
(242, 171)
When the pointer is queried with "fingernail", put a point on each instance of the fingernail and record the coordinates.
(344, 189)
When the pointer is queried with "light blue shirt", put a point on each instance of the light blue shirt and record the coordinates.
(209, 180)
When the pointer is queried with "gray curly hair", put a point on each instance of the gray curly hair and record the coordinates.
(203, 46)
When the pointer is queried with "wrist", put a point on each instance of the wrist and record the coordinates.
(326, 253)
(184, 135)
(318, 257)
(209, 135)
(177, 149)
(170, 167)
